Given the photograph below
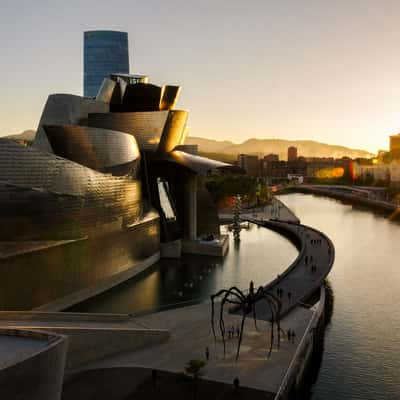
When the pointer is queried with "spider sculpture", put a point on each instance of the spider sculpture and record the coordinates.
(247, 303)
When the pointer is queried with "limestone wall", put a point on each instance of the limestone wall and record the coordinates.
(36, 376)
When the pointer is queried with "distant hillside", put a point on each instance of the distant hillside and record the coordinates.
(28, 135)
(261, 147)
(227, 151)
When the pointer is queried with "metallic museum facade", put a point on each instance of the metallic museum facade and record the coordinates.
(106, 186)
(105, 52)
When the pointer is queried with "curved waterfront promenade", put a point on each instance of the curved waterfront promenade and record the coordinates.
(188, 330)
(299, 280)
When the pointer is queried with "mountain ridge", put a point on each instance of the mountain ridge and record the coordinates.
(261, 147)
(254, 146)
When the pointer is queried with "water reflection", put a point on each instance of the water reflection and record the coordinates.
(262, 254)
(362, 342)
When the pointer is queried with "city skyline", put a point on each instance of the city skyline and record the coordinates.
(292, 71)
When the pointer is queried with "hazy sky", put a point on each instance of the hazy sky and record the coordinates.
(299, 69)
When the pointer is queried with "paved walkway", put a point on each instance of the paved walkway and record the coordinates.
(308, 271)
(191, 333)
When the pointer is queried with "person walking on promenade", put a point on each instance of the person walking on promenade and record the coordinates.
(288, 335)
(306, 260)
(293, 335)
(289, 295)
(237, 331)
(236, 383)
(154, 377)
(207, 353)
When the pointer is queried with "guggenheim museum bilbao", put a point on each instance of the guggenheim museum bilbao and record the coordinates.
(107, 186)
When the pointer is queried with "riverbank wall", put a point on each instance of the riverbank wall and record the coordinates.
(345, 197)
(309, 344)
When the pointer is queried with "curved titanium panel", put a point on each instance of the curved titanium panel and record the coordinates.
(169, 97)
(146, 127)
(174, 131)
(141, 97)
(65, 109)
(200, 165)
(95, 148)
(45, 196)
(106, 90)
(156, 130)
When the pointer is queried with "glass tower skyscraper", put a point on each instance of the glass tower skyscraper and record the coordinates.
(105, 52)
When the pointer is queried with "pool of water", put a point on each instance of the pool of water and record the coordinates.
(260, 256)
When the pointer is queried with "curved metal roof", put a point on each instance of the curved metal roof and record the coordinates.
(197, 164)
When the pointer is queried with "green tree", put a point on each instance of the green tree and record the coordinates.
(193, 369)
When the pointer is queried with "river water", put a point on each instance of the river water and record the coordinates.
(361, 357)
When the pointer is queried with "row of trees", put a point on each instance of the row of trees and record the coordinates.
(223, 188)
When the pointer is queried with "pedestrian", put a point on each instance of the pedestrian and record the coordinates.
(306, 260)
(154, 376)
(207, 353)
(237, 331)
(288, 335)
(293, 335)
(311, 258)
(289, 295)
(236, 383)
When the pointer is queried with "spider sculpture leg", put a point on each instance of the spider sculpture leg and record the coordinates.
(221, 316)
(223, 291)
(278, 305)
(241, 332)
(272, 325)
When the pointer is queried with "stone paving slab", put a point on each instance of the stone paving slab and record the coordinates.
(191, 333)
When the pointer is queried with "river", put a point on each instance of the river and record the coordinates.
(361, 357)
